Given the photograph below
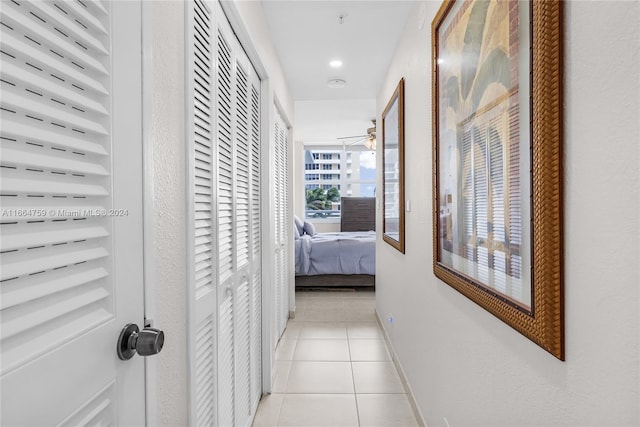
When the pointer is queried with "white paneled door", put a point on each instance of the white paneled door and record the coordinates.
(71, 194)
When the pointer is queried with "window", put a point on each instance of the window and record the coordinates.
(353, 170)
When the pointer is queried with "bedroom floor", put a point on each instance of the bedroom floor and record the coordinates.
(333, 367)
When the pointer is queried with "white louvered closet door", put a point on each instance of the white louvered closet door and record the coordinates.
(71, 192)
(255, 248)
(237, 82)
(225, 127)
(203, 280)
(248, 263)
(282, 225)
(225, 233)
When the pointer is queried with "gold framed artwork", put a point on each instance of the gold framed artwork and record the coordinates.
(497, 160)
(393, 169)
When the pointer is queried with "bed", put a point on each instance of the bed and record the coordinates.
(345, 258)
(336, 253)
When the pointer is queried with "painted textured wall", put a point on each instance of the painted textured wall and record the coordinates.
(462, 363)
(165, 137)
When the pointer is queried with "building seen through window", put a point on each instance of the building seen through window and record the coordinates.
(349, 172)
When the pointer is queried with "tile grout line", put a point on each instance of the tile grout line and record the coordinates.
(353, 377)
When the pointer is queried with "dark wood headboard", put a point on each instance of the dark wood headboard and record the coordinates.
(357, 213)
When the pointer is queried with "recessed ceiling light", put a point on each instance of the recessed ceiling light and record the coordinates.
(336, 83)
(336, 63)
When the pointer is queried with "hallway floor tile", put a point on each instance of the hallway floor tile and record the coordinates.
(333, 368)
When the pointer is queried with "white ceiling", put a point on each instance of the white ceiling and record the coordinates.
(307, 35)
(323, 121)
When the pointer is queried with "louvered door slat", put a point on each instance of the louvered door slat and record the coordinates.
(22, 104)
(38, 239)
(34, 81)
(74, 29)
(202, 243)
(50, 161)
(48, 139)
(16, 267)
(40, 188)
(51, 64)
(81, 15)
(37, 287)
(83, 319)
(14, 323)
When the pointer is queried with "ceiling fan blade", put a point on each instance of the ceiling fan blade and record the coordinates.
(354, 136)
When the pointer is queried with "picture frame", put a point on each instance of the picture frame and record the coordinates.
(393, 225)
(497, 73)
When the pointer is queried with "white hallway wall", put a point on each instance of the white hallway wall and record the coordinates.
(165, 227)
(466, 365)
(165, 158)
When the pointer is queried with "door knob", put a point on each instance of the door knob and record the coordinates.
(132, 340)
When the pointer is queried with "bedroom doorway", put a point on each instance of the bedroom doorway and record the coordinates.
(335, 233)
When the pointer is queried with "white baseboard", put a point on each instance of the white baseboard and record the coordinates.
(403, 378)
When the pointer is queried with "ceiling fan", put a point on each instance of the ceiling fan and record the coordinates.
(369, 139)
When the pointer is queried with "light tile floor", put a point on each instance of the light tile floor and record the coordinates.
(333, 368)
